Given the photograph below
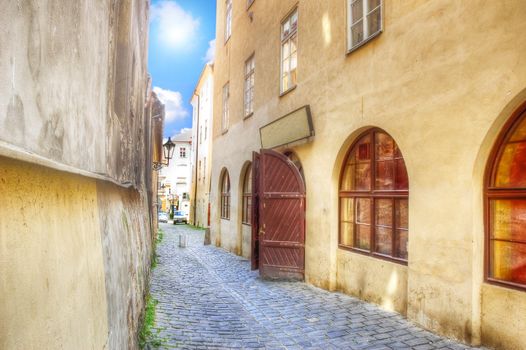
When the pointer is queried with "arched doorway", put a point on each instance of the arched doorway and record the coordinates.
(278, 223)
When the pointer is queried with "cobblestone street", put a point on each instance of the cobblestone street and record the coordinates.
(209, 298)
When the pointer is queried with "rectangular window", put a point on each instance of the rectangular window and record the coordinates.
(249, 86)
(206, 128)
(200, 134)
(199, 172)
(182, 152)
(228, 19)
(225, 116)
(364, 20)
(289, 52)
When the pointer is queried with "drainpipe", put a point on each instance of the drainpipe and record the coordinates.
(196, 155)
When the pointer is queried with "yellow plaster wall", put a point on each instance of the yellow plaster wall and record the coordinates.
(436, 79)
(51, 264)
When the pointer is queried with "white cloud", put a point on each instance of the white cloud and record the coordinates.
(177, 28)
(211, 52)
(173, 104)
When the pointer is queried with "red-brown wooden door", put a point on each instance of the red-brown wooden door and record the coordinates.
(280, 217)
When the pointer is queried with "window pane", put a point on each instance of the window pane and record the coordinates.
(293, 78)
(374, 22)
(356, 11)
(293, 44)
(508, 219)
(363, 210)
(511, 170)
(385, 175)
(384, 212)
(347, 210)
(363, 237)
(372, 4)
(285, 82)
(294, 20)
(385, 146)
(384, 223)
(293, 61)
(346, 234)
(357, 33)
(520, 132)
(401, 244)
(363, 177)
(348, 178)
(286, 28)
(508, 261)
(286, 49)
(384, 240)
(401, 213)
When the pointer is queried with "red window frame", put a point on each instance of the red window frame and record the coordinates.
(225, 196)
(374, 195)
(494, 192)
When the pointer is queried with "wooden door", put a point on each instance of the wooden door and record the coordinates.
(281, 217)
(255, 211)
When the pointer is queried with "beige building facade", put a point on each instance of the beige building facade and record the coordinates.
(202, 121)
(75, 173)
(433, 82)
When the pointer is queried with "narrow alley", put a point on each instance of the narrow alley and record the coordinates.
(209, 298)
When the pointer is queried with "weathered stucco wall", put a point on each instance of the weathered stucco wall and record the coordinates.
(74, 257)
(63, 63)
(74, 250)
(439, 80)
(51, 260)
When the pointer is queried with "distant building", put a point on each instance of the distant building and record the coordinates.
(176, 178)
(202, 120)
(378, 148)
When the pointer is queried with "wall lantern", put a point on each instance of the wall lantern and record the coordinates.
(168, 149)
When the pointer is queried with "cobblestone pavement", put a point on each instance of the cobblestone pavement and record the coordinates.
(209, 299)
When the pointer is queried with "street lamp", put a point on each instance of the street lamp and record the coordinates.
(169, 148)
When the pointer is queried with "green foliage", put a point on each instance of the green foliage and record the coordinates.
(194, 227)
(148, 334)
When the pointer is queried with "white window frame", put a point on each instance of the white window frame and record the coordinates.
(286, 38)
(226, 108)
(228, 19)
(364, 23)
(248, 95)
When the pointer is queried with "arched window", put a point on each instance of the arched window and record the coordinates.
(506, 206)
(247, 197)
(374, 194)
(225, 196)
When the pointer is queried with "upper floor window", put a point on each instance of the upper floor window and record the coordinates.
(228, 19)
(247, 197)
(225, 196)
(506, 206)
(374, 193)
(249, 86)
(182, 152)
(225, 116)
(289, 52)
(206, 128)
(364, 21)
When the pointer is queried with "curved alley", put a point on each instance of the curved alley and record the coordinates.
(209, 299)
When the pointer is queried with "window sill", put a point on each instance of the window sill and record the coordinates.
(248, 115)
(246, 224)
(227, 219)
(287, 91)
(504, 284)
(363, 43)
(224, 132)
(373, 255)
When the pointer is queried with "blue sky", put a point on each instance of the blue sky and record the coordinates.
(181, 42)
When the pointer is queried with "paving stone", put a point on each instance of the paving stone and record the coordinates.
(210, 299)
